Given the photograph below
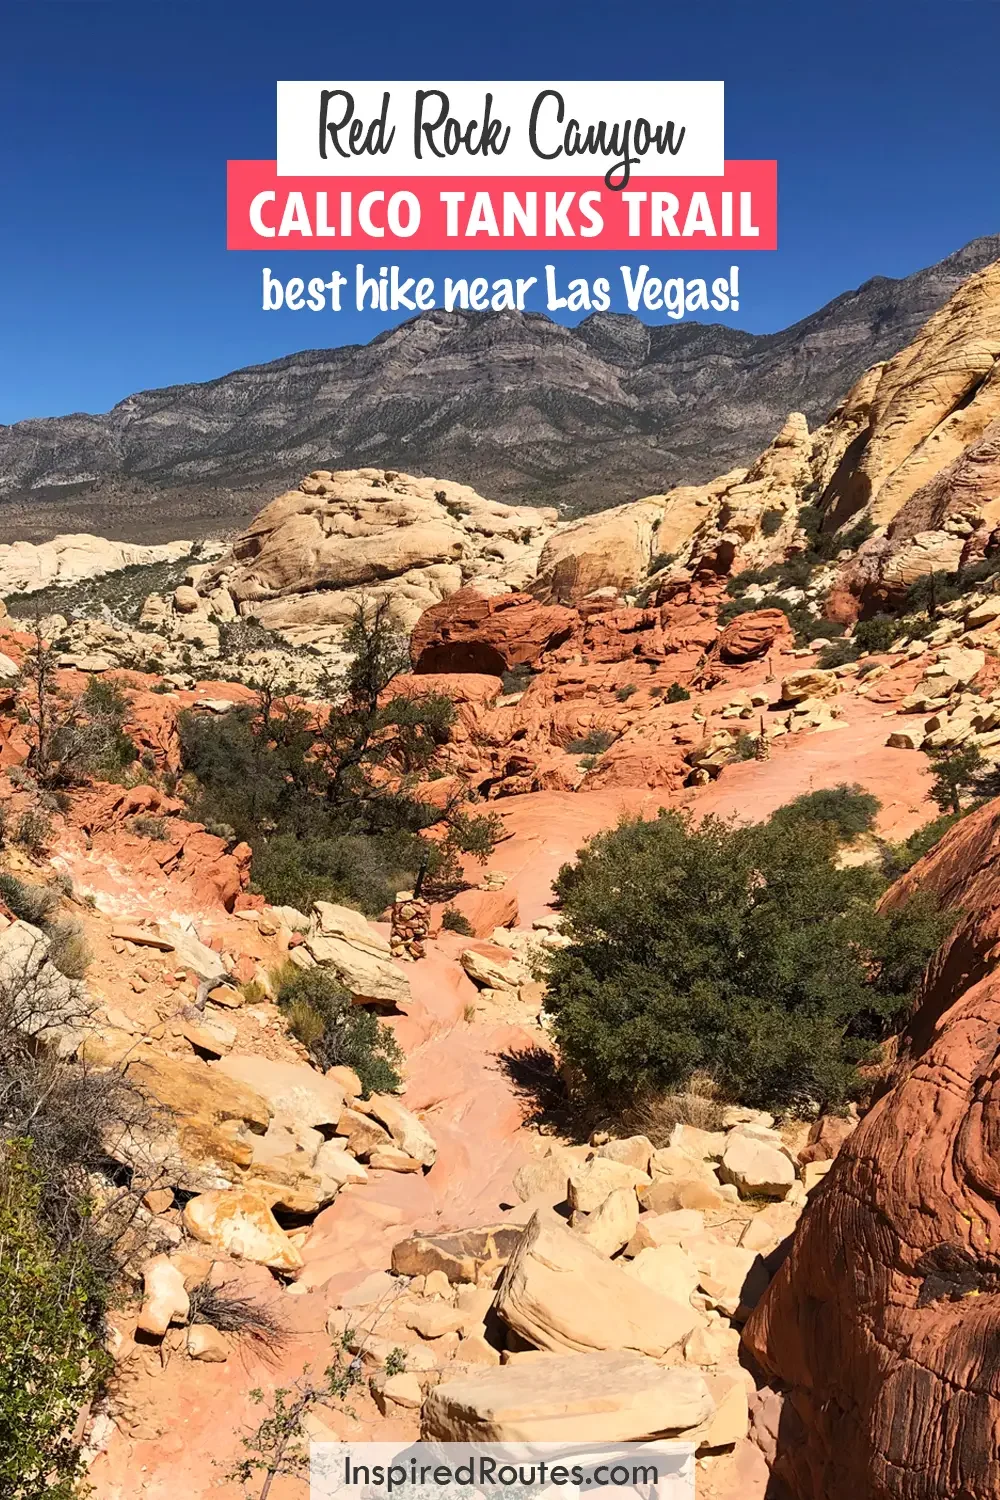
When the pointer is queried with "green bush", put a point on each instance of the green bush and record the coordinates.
(517, 679)
(36, 904)
(34, 831)
(897, 858)
(51, 1356)
(149, 826)
(955, 772)
(770, 521)
(677, 694)
(837, 654)
(849, 810)
(453, 920)
(335, 1031)
(876, 634)
(744, 952)
(623, 694)
(330, 812)
(594, 742)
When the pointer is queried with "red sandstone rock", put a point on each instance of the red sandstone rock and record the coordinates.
(469, 633)
(753, 635)
(881, 1322)
(486, 910)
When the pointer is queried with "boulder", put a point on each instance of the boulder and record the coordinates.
(811, 683)
(164, 1298)
(369, 974)
(590, 1183)
(558, 1293)
(241, 1224)
(409, 1133)
(672, 1228)
(596, 1397)
(362, 1133)
(460, 1254)
(469, 633)
(634, 1151)
(207, 1344)
(753, 635)
(757, 1168)
(667, 1269)
(610, 1227)
(669, 1194)
(612, 549)
(294, 1090)
(826, 1136)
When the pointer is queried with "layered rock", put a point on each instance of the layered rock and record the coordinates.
(26, 567)
(308, 558)
(879, 1322)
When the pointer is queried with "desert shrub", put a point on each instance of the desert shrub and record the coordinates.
(677, 694)
(330, 812)
(335, 1031)
(65, 1228)
(69, 949)
(743, 951)
(517, 679)
(876, 634)
(594, 742)
(897, 858)
(51, 1359)
(34, 831)
(661, 560)
(849, 810)
(452, 920)
(837, 653)
(956, 770)
(29, 903)
(624, 693)
(239, 1314)
(770, 521)
(149, 826)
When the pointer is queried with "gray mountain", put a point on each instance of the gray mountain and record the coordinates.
(512, 403)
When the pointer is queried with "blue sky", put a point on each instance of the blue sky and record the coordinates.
(116, 120)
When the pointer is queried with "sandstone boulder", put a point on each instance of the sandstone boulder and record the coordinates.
(469, 633)
(410, 1134)
(294, 1090)
(558, 1293)
(757, 1168)
(751, 636)
(241, 1224)
(164, 1297)
(596, 1397)
(590, 1183)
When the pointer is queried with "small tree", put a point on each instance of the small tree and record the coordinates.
(742, 951)
(72, 738)
(955, 772)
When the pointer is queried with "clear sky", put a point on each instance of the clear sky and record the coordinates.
(117, 118)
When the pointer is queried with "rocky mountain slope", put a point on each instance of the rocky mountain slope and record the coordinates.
(517, 406)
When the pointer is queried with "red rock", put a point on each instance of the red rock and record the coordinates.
(753, 635)
(469, 633)
(486, 910)
(826, 1137)
(880, 1323)
(244, 969)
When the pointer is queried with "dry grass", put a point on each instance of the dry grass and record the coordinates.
(238, 1314)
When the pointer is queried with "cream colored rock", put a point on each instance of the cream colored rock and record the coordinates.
(432, 1320)
(410, 1134)
(634, 1151)
(493, 973)
(813, 1173)
(403, 1390)
(558, 1293)
(164, 1298)
(718, 1343)
(673, 1228)
(241, 1223)
(590, 1183)
(363, 1134)
(311, 556)
(667, 1269)
(610, 1227)
(26, 567)
(757, 1168)
(292, 1089)
(612, 549)
(370, 975)
(730, 1420)
(335, 1164)
(391, 1159)
(766, 1230)
(732, 1277)
(207, 1344)
(596, 1397)
(669, 1194)
(812, 683)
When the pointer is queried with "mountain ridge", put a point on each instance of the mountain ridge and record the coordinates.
(524, 409)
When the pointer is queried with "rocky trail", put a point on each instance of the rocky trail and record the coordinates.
(817, 619)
